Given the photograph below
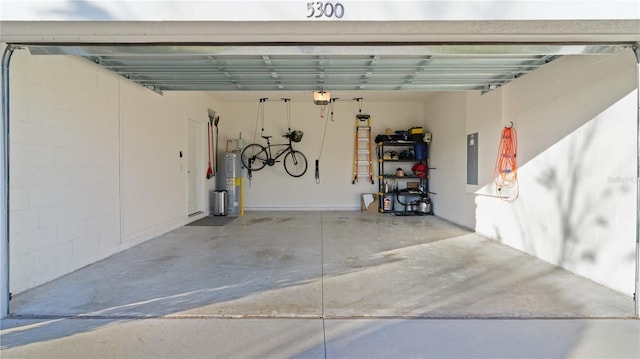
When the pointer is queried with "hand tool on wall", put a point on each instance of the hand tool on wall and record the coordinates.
(215, 149)
(214, 118)
(209, 170)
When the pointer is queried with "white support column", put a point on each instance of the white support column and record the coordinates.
(4, 184)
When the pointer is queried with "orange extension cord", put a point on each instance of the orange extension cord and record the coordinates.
(506, 169)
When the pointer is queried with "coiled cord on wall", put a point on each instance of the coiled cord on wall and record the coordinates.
(506, 169)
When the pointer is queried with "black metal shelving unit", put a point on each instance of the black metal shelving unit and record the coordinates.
(392, 187)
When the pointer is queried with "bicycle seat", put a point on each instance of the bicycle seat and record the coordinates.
(266, 137)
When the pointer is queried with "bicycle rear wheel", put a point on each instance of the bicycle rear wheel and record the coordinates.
(254, 157)
(295, 163)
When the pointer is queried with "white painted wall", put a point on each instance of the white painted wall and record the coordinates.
(152, 134)
(94, 165)
(273, 188)
(445, 115)
(64, 210)
(576, 123)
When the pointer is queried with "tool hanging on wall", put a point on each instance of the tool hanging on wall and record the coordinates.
(324, 135)
(214, 119)
(506, 169)
(362, 161)
(215, 147)
(209, 169)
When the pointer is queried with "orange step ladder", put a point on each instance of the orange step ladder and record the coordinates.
(362, 160)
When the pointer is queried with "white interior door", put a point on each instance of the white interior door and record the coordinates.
(193, 167)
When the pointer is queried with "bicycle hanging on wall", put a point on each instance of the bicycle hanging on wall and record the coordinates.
(255, 156)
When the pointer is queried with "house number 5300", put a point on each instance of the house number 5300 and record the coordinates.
(319, 9)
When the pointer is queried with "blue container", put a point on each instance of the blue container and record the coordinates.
(420, 150)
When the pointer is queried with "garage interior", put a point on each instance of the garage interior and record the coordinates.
(104, 233)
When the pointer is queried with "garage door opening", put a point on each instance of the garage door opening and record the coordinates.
(465, 77)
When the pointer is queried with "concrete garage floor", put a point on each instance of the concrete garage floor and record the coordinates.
(321, 284)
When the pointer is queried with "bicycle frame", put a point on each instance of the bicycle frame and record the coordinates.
(280, 153)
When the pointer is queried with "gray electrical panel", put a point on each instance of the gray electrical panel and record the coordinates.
(472, 158)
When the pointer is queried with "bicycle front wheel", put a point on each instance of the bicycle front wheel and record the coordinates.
(295, 163)
(254, 157)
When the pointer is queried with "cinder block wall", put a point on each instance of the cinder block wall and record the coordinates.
(95, 165)
(576, 125)
(64, 185)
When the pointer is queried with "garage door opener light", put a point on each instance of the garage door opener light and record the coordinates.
(321, 97)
